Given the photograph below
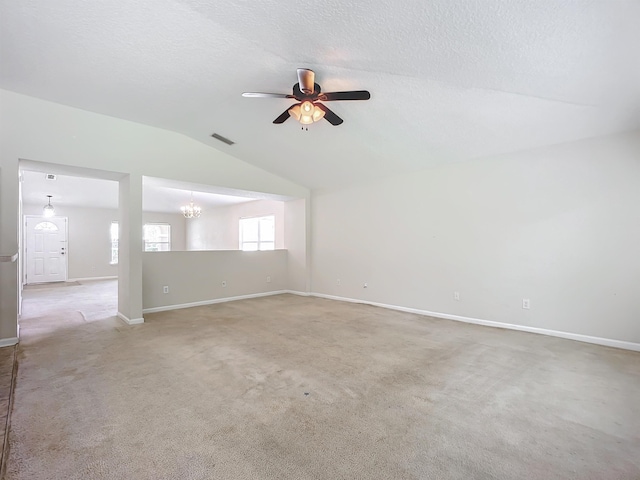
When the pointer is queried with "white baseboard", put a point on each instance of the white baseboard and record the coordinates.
(477, 321)
(88, 279)
(130, 321)
(212, 301)
(608, 342)
(8, 342)
(297, 292)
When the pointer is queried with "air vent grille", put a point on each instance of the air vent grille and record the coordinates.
(222, 139)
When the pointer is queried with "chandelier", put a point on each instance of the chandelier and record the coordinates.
(48, 210)
(191, 210)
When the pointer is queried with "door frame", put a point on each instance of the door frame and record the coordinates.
(24, 246)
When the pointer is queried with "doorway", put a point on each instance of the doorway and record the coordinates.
(68, 254)
(46, 249)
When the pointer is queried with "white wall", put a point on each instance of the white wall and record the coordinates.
(211, 231)
(37, 130)
(296, 235)
(218, 228)
(89, 242)
(198, 276)
(559, 225)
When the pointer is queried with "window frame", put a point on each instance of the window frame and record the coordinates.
(145, 243)
(115, 244)
(260, 242)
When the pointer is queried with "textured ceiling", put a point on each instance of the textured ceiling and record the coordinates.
(450, 80)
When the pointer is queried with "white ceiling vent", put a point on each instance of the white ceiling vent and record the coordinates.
(51, 176)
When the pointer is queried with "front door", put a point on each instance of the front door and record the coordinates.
(46, 249)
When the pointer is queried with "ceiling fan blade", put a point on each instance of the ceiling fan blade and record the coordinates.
(266, 95)
(329, 116)
(283, 116)
(306, 80)
(352, 95)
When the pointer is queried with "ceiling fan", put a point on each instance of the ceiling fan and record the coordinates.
(309, 95)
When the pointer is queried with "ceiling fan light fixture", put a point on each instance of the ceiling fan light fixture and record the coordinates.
(306, 113)
(295, 111)
(318, 114)
(306, 120)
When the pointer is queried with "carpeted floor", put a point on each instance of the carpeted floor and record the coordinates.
(288, 387)
(7, 363)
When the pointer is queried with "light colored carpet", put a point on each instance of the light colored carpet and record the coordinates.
(7, 360)
(51, 302)
(288, 387)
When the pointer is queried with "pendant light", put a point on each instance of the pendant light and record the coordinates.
(48, 210)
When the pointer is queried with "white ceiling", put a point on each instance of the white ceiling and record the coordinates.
(450, 80)
(158, 195)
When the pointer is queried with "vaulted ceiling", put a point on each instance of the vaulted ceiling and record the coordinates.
(450, 80)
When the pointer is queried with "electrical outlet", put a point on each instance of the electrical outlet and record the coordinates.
(526, 303)
(338, 282)
(456, 296)
(268, 279)
(224, 283)
(165, 289)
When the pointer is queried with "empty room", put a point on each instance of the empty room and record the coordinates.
(328, 240)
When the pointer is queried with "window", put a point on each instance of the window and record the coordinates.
(257, 233)
(157, 237)
(46, 226)
(114, 242)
